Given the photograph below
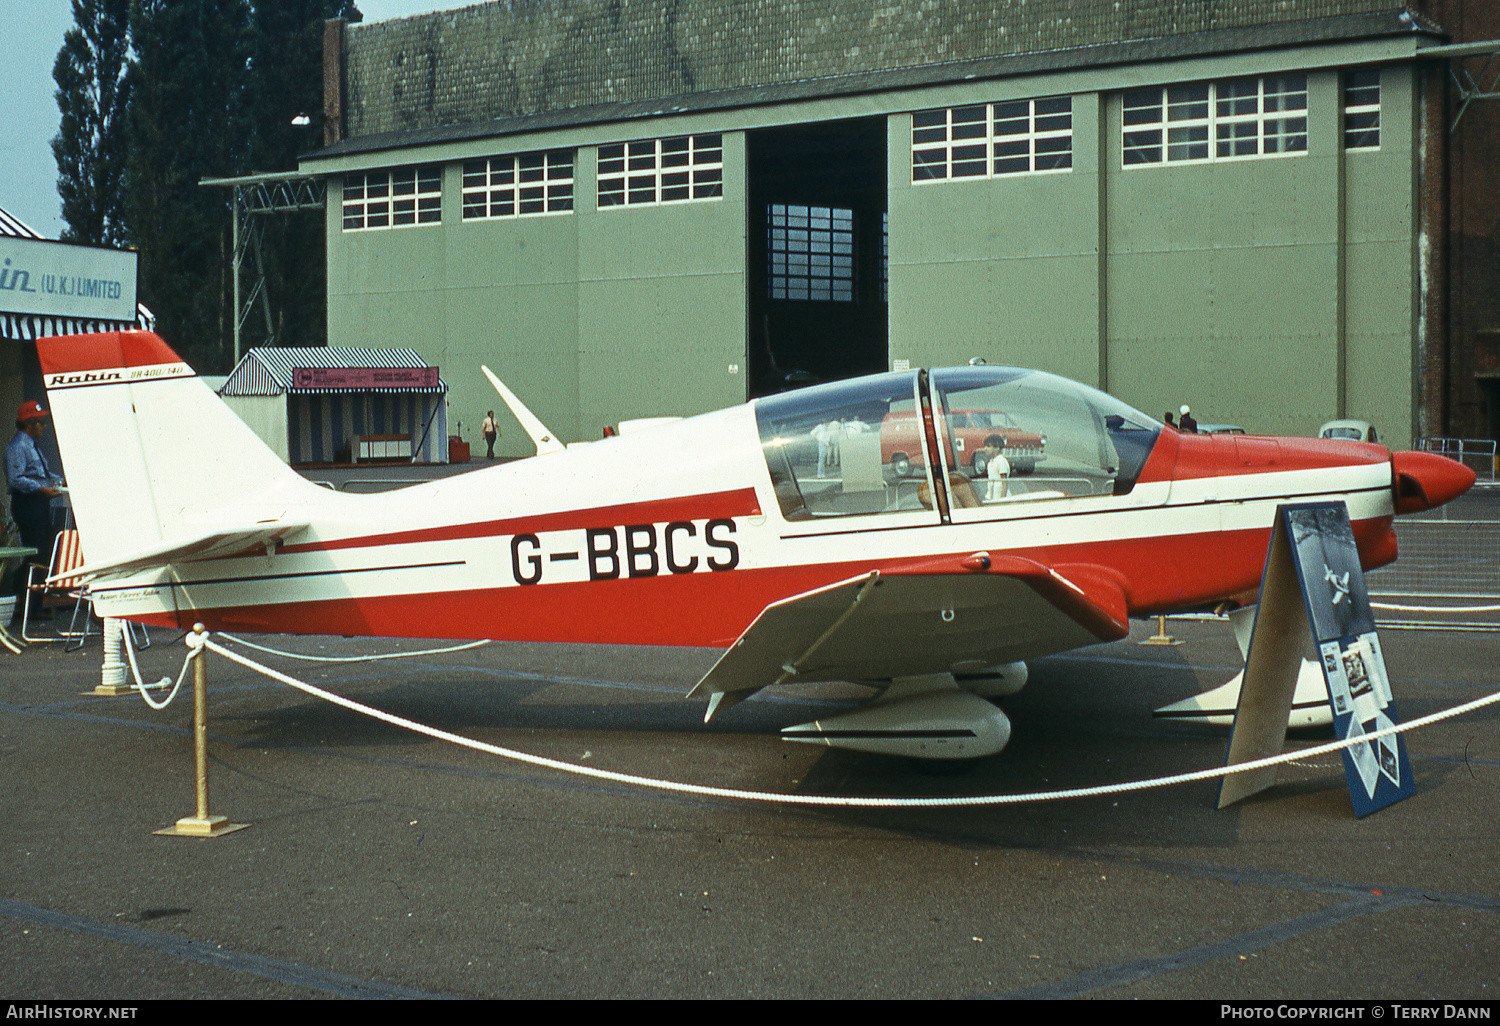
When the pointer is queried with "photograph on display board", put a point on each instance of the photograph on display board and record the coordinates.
(1333, 583)
(1343, 624)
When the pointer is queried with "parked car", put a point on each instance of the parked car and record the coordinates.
(1353, 430)
(901, 445)
(1220, 429)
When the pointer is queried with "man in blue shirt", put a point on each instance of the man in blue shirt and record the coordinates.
(31, 490)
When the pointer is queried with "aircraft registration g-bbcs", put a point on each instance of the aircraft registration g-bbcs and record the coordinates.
(787, 531)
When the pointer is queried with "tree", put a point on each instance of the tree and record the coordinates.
(195, 89)
(92, 96)
(188, 121)
(285, 81)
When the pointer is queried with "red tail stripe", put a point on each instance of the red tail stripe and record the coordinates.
(106, 350)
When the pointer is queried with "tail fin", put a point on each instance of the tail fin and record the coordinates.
(151, 453)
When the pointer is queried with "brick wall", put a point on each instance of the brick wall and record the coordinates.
(1461, 209)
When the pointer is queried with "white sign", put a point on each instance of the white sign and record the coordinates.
(58, 279)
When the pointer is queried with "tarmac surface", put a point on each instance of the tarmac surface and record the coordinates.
(380, 863)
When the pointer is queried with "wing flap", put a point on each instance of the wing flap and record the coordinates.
(943, 616)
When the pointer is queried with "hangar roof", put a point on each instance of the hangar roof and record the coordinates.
(488, 71)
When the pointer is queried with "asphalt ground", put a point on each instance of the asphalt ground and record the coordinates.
(379, 863)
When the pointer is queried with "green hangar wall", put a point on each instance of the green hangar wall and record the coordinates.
(1125, 213)
(1274, 293)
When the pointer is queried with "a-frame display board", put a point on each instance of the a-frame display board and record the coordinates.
(1313, 589)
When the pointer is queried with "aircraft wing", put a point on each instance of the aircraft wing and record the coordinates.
(945, 616)
(215, 543)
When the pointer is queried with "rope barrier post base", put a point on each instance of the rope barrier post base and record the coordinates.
(192, 826)
(200, 824)
(1161, 637)
(112, 673)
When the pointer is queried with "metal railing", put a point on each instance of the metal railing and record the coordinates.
(1478, 454)
(1448, 571)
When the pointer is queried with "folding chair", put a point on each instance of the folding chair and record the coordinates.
(67, 555)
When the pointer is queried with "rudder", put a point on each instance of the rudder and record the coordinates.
(149, 450)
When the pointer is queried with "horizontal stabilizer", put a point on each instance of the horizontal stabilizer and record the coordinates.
(220, 543)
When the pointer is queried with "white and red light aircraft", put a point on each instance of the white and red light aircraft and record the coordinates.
(788, 531)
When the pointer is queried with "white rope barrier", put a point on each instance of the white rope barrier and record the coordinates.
(1435, 609)
(352, 659)
(823, 800)
(195, 647)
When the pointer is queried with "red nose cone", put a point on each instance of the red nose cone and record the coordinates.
(1425, 480)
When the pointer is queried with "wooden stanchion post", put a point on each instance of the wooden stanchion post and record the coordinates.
(201, 824)
(1161, 637)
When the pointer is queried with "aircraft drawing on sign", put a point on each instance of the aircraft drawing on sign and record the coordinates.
(1340, 585)
(805, 554)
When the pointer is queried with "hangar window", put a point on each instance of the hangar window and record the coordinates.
(811, 252)
(991, 140)
(656, 171)
(885, 258)
(396, 198)
(1033, 136)
(521, 185)
(1362, 110)
(1232, 119)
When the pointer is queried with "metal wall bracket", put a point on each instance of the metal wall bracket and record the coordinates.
(1469, 77)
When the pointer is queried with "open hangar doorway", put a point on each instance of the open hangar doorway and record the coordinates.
(817, 239)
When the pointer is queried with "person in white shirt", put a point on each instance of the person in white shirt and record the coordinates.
(491, 431)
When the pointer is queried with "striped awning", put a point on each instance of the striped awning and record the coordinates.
(30, 327)
(10, 224)
(268, 370)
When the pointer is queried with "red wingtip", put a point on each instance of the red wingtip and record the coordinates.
(1425, 480)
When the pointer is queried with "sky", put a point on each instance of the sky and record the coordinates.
(31, 33)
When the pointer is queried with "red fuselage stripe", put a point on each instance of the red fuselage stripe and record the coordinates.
(712, 609)
(738, 503)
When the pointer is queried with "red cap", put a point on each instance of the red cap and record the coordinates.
(30, 410)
